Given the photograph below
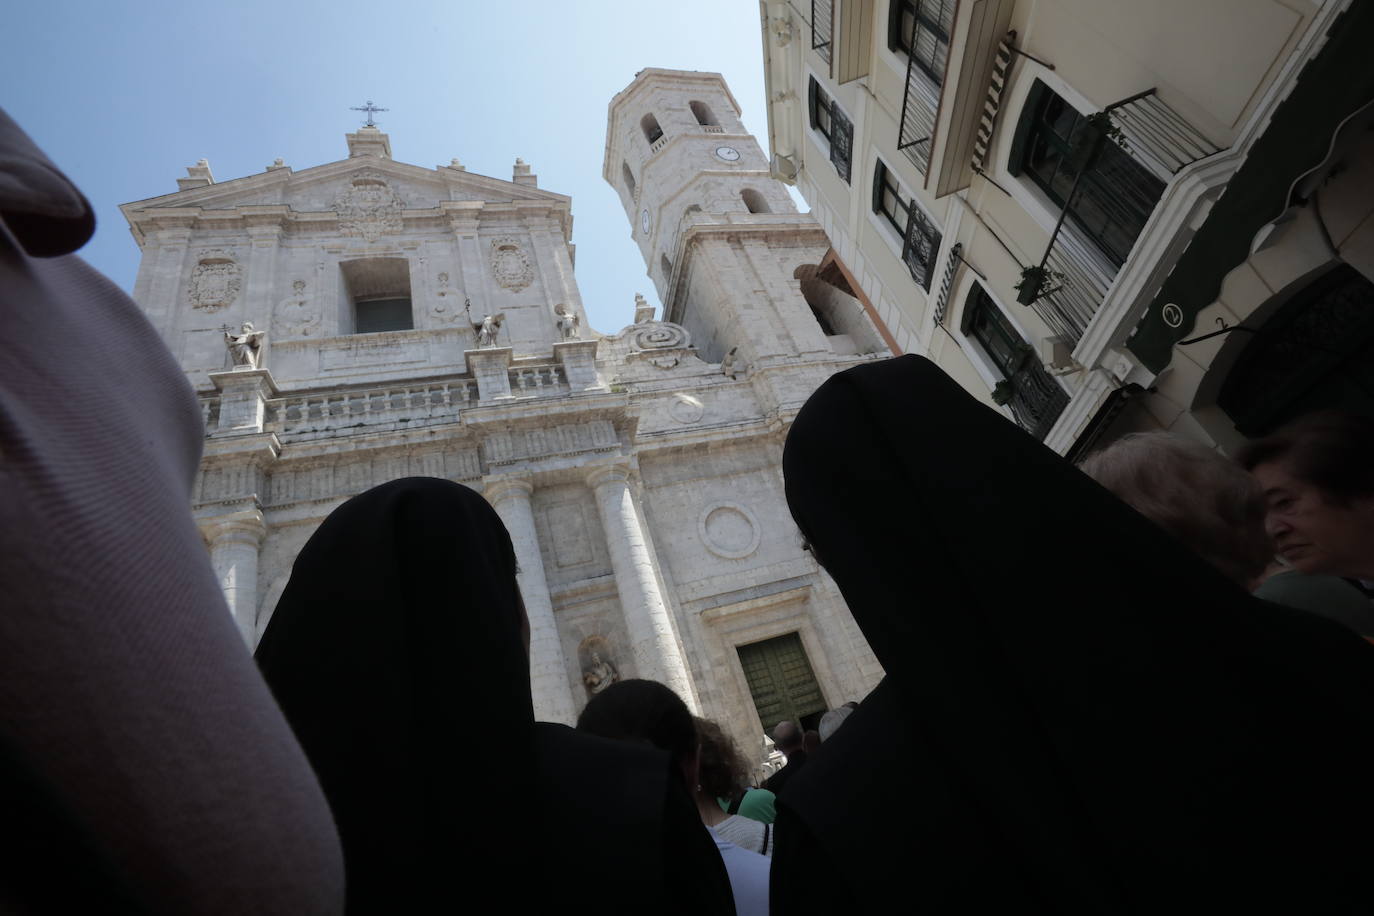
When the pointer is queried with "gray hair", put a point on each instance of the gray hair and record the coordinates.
(1196, 494)
(831, 721)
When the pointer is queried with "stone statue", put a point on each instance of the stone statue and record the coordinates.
(245, 347)
(488, 328)
(599, 674)
(732, 366)
(567, 322)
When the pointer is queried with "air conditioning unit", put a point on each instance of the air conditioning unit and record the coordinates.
(1057, 354)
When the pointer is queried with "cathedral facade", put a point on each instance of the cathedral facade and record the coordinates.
(365, 320)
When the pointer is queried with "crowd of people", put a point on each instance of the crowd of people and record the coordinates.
(1085, 709)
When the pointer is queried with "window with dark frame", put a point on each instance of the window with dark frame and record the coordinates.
(920, 29)
(831, 123)
(1115, 195)
(920, 237)
(1036, 400)
(887, 199)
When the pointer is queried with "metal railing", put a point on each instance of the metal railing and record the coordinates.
(1037, 399)
(921, 246)
(1080, 267)
(822, 27)
(841, 141)
(917, 126)
(1156, 136)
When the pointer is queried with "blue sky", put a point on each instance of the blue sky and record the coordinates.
(123, 96)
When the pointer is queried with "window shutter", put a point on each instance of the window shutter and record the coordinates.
(811, 102)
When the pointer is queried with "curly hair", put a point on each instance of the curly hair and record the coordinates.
(722, 768)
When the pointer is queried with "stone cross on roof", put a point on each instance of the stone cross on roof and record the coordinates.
(371, 110)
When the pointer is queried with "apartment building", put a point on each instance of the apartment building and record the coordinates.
(1098, 215)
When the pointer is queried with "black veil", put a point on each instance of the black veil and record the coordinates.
(397, 655)
(1079, 715)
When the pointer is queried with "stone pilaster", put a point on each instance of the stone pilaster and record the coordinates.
(264, 232)
(243, 396)
(491, 369)
(578, 358)
(553, 700)
(234, 544)
(652, 639)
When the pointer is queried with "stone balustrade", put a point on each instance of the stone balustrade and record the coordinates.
(418, 405)
(537, 380)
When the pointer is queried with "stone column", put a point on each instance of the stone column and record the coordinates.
(553, 700)
(234, 544)
(652, 640)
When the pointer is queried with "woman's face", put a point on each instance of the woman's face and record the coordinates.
(1313, 533)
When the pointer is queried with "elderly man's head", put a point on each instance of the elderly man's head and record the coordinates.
(787, 735)
(1317, 476)
(1198, 495)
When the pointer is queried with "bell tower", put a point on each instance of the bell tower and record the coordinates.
(732, 259)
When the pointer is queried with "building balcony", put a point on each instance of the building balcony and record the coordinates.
(1129, 154)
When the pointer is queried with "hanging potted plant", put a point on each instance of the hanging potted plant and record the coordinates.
(1002, 392)
(1036, 281)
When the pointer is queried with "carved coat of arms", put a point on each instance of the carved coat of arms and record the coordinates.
(215, 281)
(370, 207)
(510, 264)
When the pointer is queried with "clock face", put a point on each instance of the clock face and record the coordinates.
(728, 153)
(644, 219)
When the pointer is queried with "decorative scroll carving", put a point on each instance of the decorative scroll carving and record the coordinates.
(216, 280)
(369, 208)
(510, 264)
(659, 335)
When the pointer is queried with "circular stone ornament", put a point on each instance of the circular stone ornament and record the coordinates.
(644, 220)
(729, 530)
(686, 409)
(727, 153)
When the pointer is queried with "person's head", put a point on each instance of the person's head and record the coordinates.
(1193, 492)
(646, 712)
(832, 720)
(721, 770)
(1317, 475)
(787, 735)
(368, 655)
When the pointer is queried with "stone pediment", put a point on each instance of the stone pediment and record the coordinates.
(317, 189)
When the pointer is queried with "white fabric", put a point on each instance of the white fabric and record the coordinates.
(746, 833)
(748, 876)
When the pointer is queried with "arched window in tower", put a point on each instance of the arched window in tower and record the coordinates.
(652, 132)
(702, 112)
(754, 201)
(837, 310)
(667, 267)
(629, 178)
